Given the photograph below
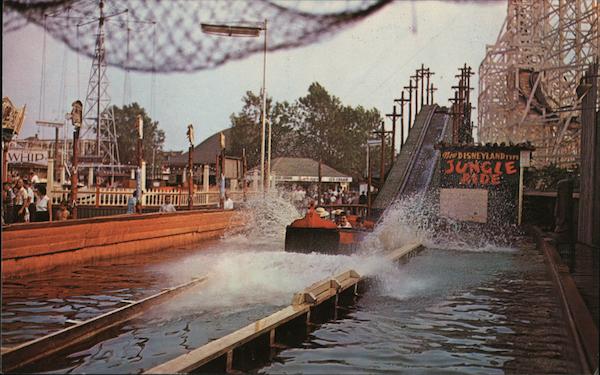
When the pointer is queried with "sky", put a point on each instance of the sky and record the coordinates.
(366, 64)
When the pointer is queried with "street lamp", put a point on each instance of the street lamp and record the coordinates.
(239, 30)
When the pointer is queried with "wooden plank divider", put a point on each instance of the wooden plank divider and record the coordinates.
(41, 348)
(302, 304)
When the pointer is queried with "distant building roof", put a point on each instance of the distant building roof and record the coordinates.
(204, 153)
(304, 170)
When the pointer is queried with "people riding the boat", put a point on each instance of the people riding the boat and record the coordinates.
(323, 214)
(343, 221)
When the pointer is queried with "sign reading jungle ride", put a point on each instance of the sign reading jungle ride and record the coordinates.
(480, 183)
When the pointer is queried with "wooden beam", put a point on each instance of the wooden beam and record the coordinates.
(302, 304)
(43, 347)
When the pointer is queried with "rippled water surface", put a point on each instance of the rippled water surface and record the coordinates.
(448, 311)
(482, 310)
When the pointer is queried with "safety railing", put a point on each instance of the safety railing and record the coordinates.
(111, 197)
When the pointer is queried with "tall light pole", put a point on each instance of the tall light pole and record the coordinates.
(238, 30)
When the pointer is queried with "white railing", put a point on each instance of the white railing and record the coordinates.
(110, 197)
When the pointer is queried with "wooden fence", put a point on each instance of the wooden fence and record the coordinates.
(111, 197)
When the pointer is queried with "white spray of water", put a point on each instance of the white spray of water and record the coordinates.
(265, 217)
(416, 219)
(249, 267)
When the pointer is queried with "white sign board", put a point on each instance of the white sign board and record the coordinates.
(464, 204)
(525, 159)
(27, 155)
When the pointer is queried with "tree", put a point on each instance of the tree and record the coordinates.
(316, 126)
(334, 133)
(246, 128)
(127, 134)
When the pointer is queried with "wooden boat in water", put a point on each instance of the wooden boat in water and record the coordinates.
(314, 233)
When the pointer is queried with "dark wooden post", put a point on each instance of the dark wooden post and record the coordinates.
(190, 177)
(428, 74)
(77, 119)
(74, 173)
(244, 171)
(455, 117)
(416, 88)
(4, 161)
(382, 161)
(394, 115)
(222, 179)
(421, 74)
(369, 179)
(432, 90)
(410, 87)
(56, 164)
(402, 101)
(320, 177)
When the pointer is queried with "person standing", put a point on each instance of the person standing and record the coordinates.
(33, 178)
(21, 202)
(63, 212)
(8, 203)
(132, 203)
(228, 204)
(43, 206)
(167, 206)
(30, 214)
(363, 198)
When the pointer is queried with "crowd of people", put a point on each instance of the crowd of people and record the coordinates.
(302, 197)
(26, 200)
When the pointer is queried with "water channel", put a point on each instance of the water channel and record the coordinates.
(475, 310)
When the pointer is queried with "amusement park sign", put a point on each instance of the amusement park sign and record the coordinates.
(480, 183)
(27, 155)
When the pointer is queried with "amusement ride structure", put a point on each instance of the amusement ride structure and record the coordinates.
(530, 81)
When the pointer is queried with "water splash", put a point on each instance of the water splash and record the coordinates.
(245, 277)
(265, 217)
(416, 219)
(248, 266)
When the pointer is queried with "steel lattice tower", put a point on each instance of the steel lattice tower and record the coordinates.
(99, 119)
(529, 80)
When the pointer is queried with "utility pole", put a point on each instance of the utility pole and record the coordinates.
(394, 115)
(382, 134)
(410, 87)
(417, 80)
(431, 91)
(421, 74)
(428, 74)
(456, 102)
(402, 101)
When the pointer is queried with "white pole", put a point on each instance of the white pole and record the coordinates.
(264, 113)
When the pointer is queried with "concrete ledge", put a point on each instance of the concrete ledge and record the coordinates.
(30, 248)
(583, 330)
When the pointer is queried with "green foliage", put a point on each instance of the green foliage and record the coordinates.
(125, 122)
(546, 178)
(316, 126)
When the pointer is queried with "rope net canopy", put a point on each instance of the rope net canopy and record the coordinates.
(166, 36)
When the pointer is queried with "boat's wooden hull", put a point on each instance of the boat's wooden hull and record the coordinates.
(322, 240)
